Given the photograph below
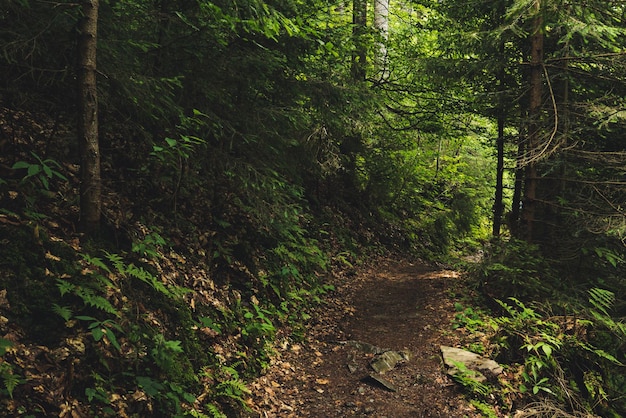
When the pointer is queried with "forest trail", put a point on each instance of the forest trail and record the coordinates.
(396, 306)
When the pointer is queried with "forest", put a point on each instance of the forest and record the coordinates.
(180, 180)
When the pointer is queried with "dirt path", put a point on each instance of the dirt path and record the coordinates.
(400, 306)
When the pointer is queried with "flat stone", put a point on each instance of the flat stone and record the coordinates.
(381, 381)
(388, 360)
(472, 361)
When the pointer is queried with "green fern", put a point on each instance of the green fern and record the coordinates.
(91, 299)
(63, 311)
(601, 299)
(97, 262)
(65, 287)
(233, 389)
(469, 379)
(213, 410)
(11, 380)
(129, 269)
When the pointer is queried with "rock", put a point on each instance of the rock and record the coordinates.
(388, 360)
(380, 381)
(472, 361)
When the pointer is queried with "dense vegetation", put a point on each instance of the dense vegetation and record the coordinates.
(247, 149)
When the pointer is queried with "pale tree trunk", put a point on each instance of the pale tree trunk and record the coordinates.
(381, 24)
(90, 181)
(534, 111)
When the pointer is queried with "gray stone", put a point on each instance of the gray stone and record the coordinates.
(388, 360)
(483, 367)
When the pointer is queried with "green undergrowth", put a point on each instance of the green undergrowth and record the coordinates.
(562, 350)
(141, 337)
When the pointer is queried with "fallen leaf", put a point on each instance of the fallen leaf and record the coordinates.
(52, 257)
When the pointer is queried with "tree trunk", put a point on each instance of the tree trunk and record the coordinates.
(514, 218)
(498, 205)
(534, 111)
(381, 24)
(90, 181)
(359, 56)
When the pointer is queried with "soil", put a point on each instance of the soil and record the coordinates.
(399, 306)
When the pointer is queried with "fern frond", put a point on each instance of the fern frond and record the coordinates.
(214, 411)
(601, 299)
(63, 311)
(11, 380)
(95, 261)
(64, 286)
(233, 388)
(91, 299)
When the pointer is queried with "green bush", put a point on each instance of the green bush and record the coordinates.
(515, 268)
(562, 356)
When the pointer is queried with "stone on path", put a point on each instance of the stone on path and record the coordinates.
(388, 360)
(383, 382)
(472, 361)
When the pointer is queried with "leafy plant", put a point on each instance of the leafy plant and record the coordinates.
(7, 373)
(131, 270)
(515, 268)
(149, 246)
(230, 386)
(42, 170)
(175, 153)
(486, 409)
(471, 381)
(164, 351)
(558, 355)
(102, 328)
(467, 318)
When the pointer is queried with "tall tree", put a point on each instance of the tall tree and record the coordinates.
(534, 113)
(381, 24)
(90, 180)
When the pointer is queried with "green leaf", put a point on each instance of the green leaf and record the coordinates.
(20, 164)
(33, 170)
(174, 346)
(112, 338)
(86, 318)
(97, 333)
(59, 175)
(149, 385)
